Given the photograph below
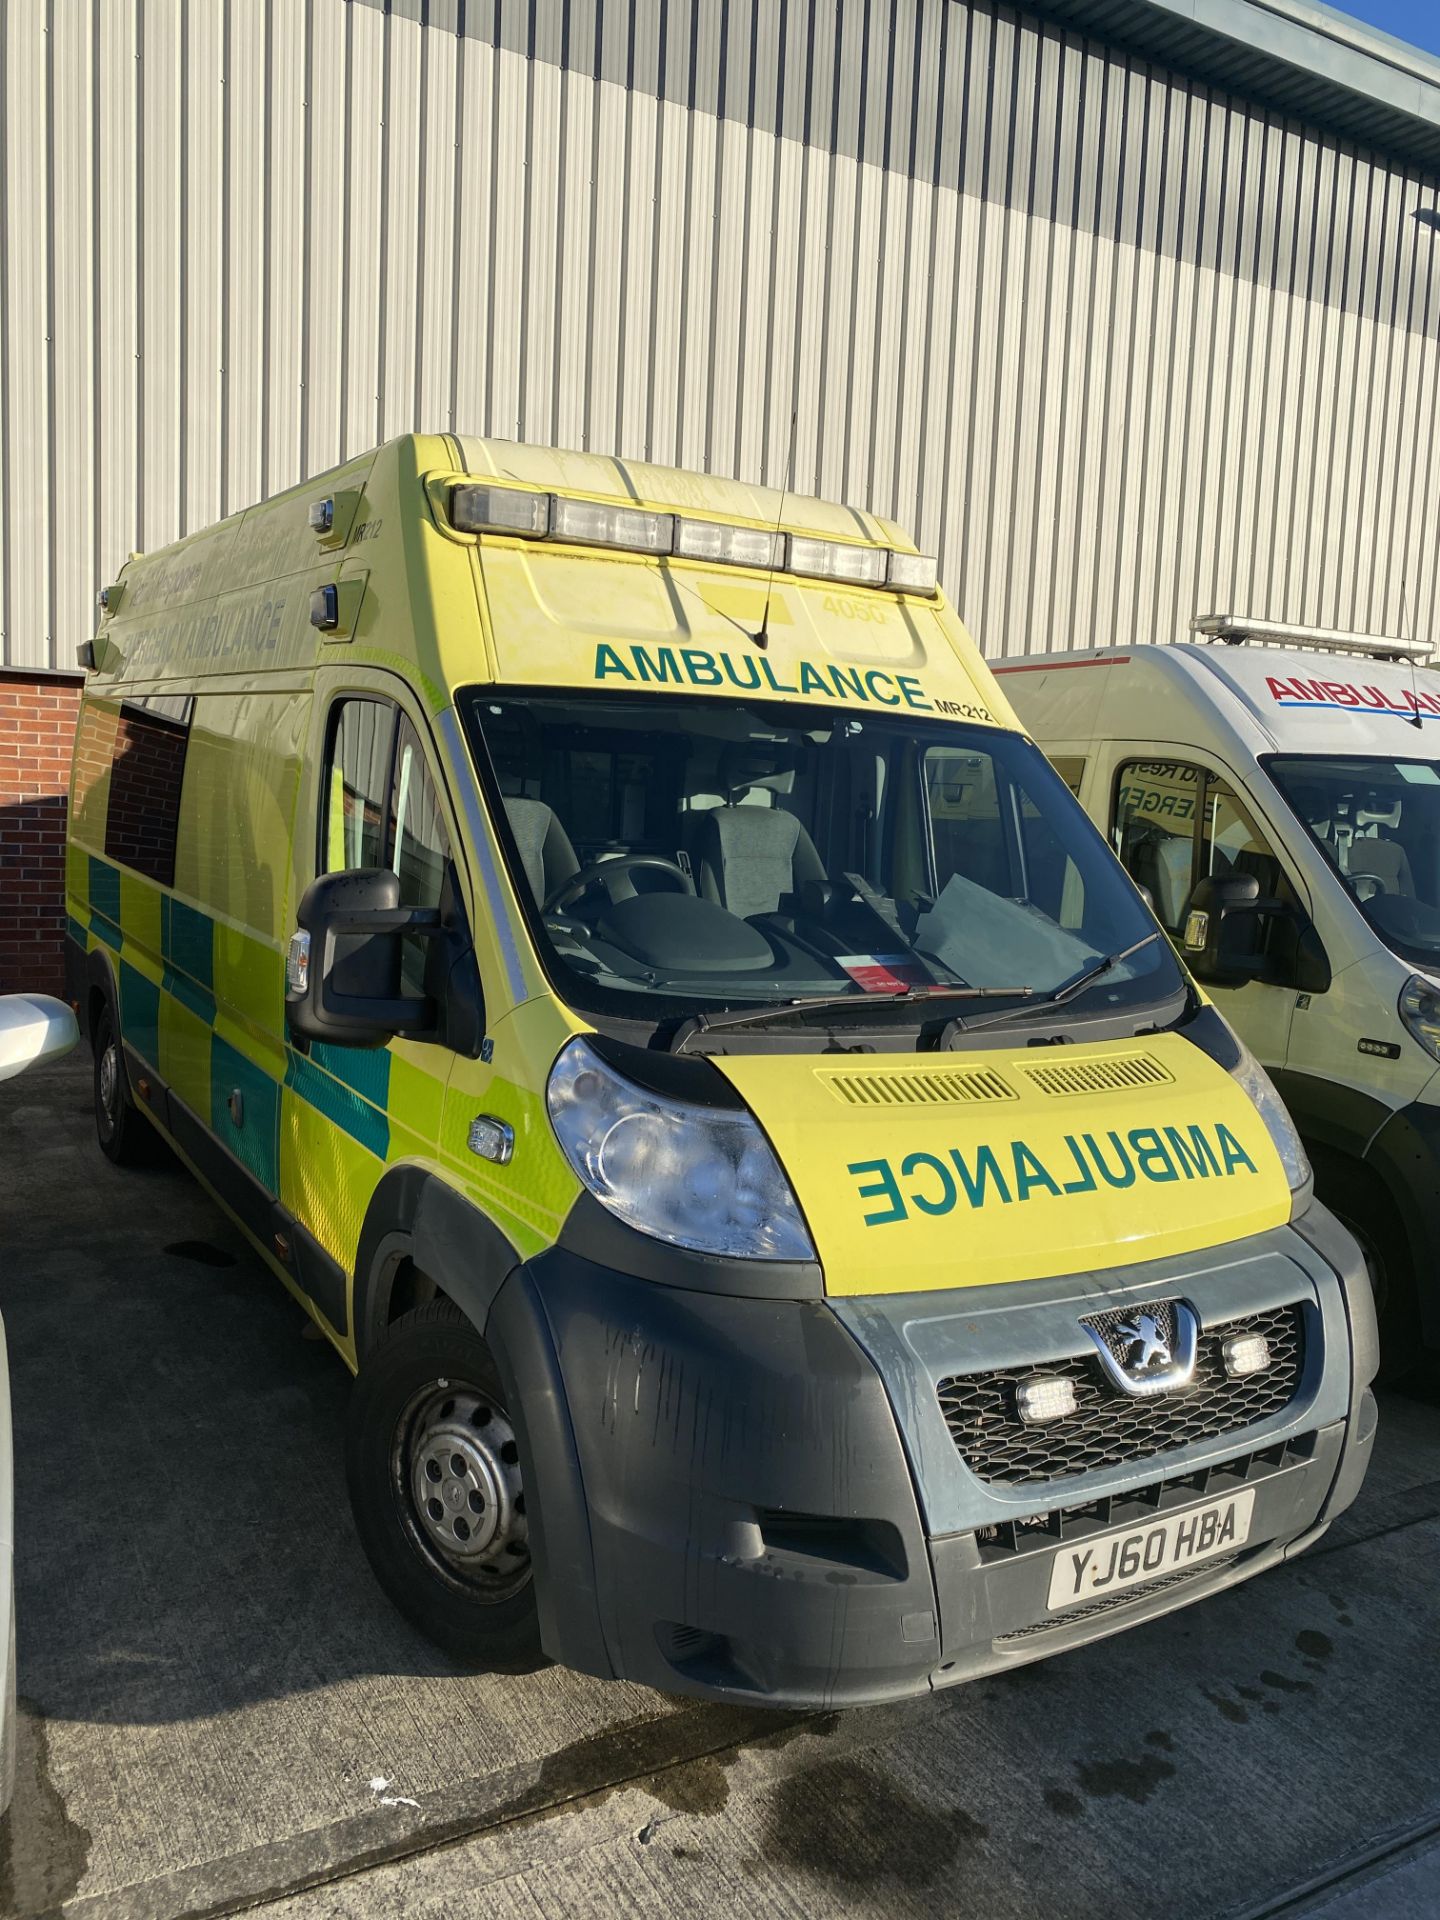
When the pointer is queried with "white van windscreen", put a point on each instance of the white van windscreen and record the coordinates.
(699, 853)
(1378, 823)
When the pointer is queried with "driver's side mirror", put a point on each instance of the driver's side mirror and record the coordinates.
(343, 968)
(1232, 937)
(1213, 902)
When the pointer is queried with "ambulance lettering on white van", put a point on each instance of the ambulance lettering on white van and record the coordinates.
(1275, 814)
(1333, 695)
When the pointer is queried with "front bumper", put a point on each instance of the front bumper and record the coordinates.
(760, 1500)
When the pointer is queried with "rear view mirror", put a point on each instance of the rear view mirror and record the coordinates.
(1211, 904)
(343, 968)
(33, 1027)
(1232, 937)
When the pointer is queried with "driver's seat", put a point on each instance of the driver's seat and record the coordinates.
(545, 850)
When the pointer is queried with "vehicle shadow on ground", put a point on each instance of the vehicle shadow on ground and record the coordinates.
(184, 1536)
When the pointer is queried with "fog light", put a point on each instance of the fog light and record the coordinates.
(1044, 1397)
(1245, 1353)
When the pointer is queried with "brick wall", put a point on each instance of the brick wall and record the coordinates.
(37, 732)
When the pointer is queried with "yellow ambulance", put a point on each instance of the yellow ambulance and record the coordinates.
(600, 930)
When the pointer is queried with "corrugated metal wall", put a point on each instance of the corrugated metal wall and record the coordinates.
(1118, 348)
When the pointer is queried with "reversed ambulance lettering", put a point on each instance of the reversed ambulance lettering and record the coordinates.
(928, 1183)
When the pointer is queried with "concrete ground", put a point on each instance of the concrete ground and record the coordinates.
(221, 1712)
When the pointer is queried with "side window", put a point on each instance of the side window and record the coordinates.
(1230, 842)
(1175, 823)
(357, 780)
(419, 846)
(1157, 807)
(1071, 769)
(380, 809)
(146, 770)
(965, 819)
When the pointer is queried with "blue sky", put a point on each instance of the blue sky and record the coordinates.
(1417, 21)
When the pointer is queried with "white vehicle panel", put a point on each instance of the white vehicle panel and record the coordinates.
(33, 1027)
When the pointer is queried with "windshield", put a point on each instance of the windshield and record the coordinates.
(682, 856)
(1378, 824)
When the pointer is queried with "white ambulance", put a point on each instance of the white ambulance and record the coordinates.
(1276, 793)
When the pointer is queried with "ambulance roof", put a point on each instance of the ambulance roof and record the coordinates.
(370, 560)
(1278, 699)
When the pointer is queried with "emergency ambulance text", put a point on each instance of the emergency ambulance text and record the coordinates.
(935, 1185)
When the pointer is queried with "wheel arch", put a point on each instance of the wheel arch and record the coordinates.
(417, 1221)
(99, 989)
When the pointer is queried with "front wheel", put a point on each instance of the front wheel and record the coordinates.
(1362, 1206)
(437, 1490)
(126, 1137)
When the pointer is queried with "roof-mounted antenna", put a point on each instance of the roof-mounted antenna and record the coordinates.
(1405, 634)
(762, 638)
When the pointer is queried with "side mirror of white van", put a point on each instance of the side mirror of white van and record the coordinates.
(1215, 900)
(343, 968)
(33, 1027)
(1232, 936)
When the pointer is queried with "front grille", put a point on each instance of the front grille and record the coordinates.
(1109, 1428)
(1055, 1527)
(1052, 1623)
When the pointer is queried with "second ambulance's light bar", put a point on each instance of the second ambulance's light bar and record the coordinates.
(1234, 629)
(478, 507)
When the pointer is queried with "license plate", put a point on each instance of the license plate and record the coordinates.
(1131, 1556)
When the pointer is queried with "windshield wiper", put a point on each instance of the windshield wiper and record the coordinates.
(836, 1003)
(1068, 989)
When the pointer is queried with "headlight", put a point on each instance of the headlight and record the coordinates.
(1420, 1011)
(1261, 1089)
(694, 1176)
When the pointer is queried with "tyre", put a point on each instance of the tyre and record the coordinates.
(437, 1490)
(1359, 1204)
(126, 1137)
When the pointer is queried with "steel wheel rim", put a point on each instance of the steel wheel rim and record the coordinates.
(108, 1086)
(455, 1474)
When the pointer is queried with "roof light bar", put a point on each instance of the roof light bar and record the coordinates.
(500, 510)
(731, 546)
(1234, 629)
(829, 560)
(589, 524)
(913, 573)
(480, 507)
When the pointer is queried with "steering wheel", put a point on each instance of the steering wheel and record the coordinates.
(606, 870)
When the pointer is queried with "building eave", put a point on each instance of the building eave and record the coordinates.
(1301, 58)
